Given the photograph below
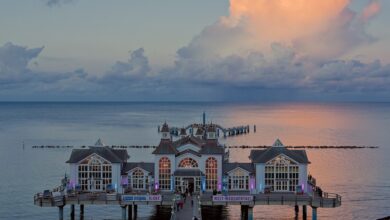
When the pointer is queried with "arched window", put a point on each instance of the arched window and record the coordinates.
(164, 174)
(188, 163)
(138, 179)
(94, 174)
(211, 173)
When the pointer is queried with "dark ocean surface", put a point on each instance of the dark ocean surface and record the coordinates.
(360, 176)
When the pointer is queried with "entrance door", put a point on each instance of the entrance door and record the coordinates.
(281, 185)
(95, 185)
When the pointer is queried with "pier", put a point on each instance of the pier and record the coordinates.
(193, 163)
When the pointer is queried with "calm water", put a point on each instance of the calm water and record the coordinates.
(362, 176)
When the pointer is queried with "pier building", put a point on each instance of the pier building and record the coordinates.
(193, 162)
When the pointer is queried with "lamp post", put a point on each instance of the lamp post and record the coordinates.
(173, 207)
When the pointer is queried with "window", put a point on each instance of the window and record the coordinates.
(138, 179)
(164, 174)
(238, 180)
(281, 174)
(211, 173)
(94, 174)
(188, 163)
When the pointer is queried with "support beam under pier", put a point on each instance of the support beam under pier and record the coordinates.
(135, 211)
(123, 212)
(244, 212)
(296, 209)
(314, 213)
(61, 212)
(130, 212)
(250, 212)
(72, 212)
(81, 211)
(304, 212)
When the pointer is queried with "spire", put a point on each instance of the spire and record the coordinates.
(165, 131)
(99, 143)
(278, 143)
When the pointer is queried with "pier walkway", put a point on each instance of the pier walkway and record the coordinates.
(189, 210)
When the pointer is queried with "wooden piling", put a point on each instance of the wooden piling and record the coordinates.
(72, 212)
(61, 212)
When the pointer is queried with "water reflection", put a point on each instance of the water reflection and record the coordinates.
(360, 176)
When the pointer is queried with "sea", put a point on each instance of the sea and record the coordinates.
(360, 176)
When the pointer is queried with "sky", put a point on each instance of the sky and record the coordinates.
(175, 50)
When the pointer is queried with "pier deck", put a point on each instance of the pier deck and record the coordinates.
(246, 200)
(329, 200)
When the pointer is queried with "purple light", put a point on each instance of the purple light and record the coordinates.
(124, 181)
(303, 187)
(72, 184)
(219, 186)
(252, 183)
(156, 186)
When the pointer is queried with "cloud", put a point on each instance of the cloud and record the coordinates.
(52, 3)
(282, 44)
(265, 48)
(15, 73)
(371, 10)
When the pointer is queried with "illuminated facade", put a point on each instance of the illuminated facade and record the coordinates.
(189, 163)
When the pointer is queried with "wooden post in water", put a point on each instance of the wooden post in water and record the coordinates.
(314, 213)
(135, 211)
(244, 212)
(81, 211)
(124, 212)
(61, 212)
(130, 212)
(296, 209)
(304, 212)
(72, 212)
(250, 213)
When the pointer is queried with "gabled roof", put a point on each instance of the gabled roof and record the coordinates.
(227, 167)
(188, 140)
(112, 155)
(263, 156)
(145, 166)
(165, 147)
(183, 131)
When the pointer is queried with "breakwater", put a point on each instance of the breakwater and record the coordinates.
(231, 147)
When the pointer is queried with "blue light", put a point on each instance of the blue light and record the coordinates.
(203, 184)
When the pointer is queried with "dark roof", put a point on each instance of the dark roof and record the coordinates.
(112, 155)
(227, 167)
(165, 128)
(263, 156)
(183, 131)
(199, 131)
(188, 172)
(146, 166)
(165, 147)
(188, 139)
(211, 128)
(212, 149)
